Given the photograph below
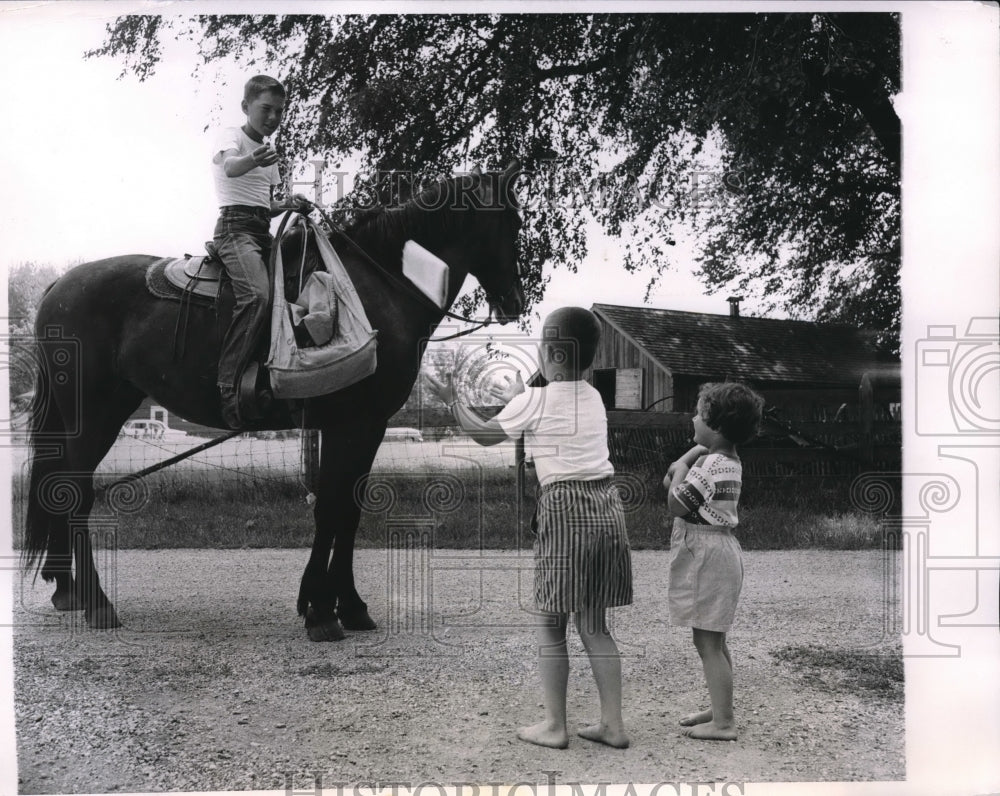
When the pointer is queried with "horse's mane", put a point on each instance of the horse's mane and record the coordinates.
(425, 212)
(425, 215)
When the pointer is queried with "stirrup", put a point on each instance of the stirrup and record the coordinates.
(254, 400)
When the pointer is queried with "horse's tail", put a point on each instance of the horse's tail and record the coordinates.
(45, 423)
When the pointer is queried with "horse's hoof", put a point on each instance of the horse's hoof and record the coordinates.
(328, 631)
(103, 617)
(357, 621)
(67, 601)
(323, 628)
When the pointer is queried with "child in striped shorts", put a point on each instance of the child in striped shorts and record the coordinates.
(706, 561)
(583, 562)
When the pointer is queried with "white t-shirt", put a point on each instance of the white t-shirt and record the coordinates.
(565, 430)
(254, 187)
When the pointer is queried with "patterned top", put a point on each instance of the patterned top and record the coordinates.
(711, 490)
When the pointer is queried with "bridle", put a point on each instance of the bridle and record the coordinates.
(407, 287)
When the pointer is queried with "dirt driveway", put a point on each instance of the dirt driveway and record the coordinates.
(213, 685)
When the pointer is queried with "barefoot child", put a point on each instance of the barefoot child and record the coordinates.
(245, 168)
(582, 557)
(706, 563)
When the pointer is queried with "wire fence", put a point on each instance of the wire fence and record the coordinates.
(271, 459)
(778, 470)
(810, 464)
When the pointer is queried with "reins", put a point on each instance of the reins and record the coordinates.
(407, 286)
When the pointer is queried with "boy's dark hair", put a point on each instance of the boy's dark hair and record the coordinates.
(572, 332)
(258, 84)
(732, 409)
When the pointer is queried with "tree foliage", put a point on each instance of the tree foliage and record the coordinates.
(26, 282)
(773, 136)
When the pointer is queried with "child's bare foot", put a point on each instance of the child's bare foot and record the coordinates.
(601, 733)
(697, 718)
(544, 734)
(709, 732)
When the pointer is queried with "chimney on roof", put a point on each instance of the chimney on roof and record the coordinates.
(734, 306)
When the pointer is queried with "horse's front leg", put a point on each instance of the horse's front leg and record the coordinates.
(346, 457)
(351, 609)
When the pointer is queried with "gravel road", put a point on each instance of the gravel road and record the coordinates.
(213, 685)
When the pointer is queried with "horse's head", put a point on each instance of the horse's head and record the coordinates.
(481, 236)
(496, 265)
(471, 222)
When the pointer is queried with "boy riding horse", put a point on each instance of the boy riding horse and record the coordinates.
(245, 168)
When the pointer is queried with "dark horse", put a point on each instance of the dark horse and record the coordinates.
(121, 351)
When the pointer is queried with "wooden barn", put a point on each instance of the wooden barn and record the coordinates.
(655, 360)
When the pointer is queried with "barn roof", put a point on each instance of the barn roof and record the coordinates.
(758, 349)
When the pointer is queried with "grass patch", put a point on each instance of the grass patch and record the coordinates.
(779, 528)
(457, 509)
(880, 674)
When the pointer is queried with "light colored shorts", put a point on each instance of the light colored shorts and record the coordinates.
(706, 576)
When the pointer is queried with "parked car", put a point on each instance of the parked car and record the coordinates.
(144, 429)
(151, 430)
(403, 434)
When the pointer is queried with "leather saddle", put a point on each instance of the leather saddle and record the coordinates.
(201, 275)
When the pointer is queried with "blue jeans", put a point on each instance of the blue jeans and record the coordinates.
(243, 240)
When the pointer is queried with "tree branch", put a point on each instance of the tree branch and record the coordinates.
(573, 70)
(873, 104)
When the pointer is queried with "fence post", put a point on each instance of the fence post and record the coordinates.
(519, 474)
(309, 467)
(866, 405)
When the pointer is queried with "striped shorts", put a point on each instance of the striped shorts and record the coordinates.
(582, 555)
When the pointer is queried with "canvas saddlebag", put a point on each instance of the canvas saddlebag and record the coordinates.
(322, 342)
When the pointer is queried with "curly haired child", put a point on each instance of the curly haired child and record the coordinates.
(706, 560)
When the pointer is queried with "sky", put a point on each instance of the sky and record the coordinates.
(92, 166)
(102, 166)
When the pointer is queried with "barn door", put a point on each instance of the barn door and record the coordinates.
(620, 388)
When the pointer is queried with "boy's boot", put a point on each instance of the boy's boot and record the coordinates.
(230, 408)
